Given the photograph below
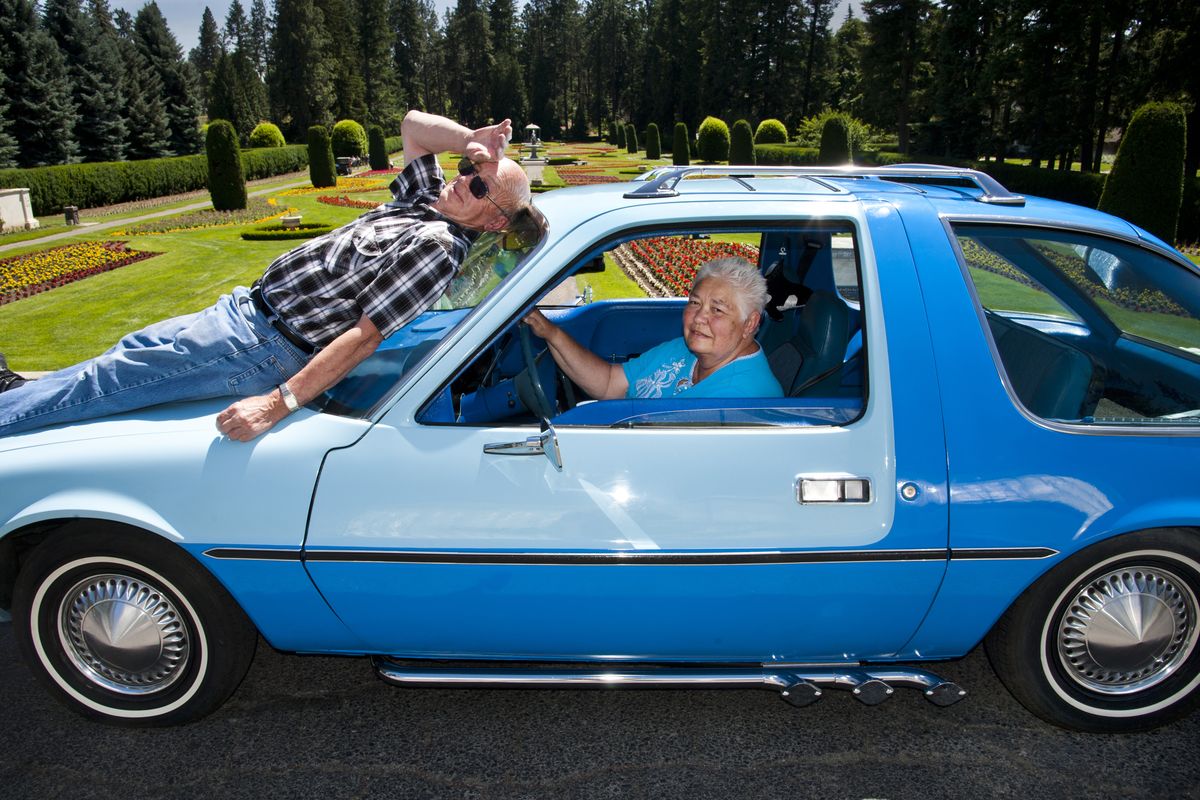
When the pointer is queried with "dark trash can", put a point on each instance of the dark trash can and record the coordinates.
(71, 214)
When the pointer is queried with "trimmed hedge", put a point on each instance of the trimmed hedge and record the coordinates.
(1146, 182)
(1080, 188)
(785, 155)
(835, 142)
(266, 134)
(679, 145)
(741, 144)
(394, 144)
(322, 171)
(653, 142)
(226, 178)
(377, 152)
(771, 131)
(712, 142)
(631, 142)
(274, 233)
(348, 139)
(105, 183)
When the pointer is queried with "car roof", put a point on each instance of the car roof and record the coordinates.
(952, 197)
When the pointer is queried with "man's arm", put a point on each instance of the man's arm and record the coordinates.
(246, 419)
(429, 133)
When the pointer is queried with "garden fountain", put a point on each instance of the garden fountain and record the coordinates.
(532, 163)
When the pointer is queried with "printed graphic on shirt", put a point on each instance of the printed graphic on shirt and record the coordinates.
(652, 385)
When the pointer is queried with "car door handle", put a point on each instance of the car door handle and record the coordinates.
(832, 489)
(545, 443)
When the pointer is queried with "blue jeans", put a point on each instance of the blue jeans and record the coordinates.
(227, 350)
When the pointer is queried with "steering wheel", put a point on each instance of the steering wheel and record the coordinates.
(529, 382)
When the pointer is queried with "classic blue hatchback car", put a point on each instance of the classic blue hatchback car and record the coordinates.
(989, 433)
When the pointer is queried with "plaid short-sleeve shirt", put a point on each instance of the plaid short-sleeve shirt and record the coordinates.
(390, 264)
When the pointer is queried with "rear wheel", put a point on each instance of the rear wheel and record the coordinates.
(1107, 640)
(127, 629)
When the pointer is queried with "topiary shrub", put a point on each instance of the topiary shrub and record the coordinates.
(1146, 182)
(276, 232)
(349, 140)
(377, 148)
(226, 180)
(266, 134)
(712, 141)
(835, 142)
(741, 144)
(771, 131)
(631, 142)
(653, 144)
(679, 145)
(618, 135)
(322, 170)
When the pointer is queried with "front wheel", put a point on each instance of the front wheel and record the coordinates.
(1107, 640)
(126, 629)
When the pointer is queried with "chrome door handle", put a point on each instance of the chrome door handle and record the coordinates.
(545, 443)
(832, 489)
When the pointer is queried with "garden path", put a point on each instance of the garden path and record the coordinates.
(125, 221)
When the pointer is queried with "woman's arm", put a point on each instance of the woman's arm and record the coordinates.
(597, 377)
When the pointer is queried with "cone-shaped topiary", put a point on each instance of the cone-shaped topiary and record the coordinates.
(1146, 182)
(266, 134)
(377, 148)
(835, 142)
(712, 142)
(680, 156)
(741, 144)
(653, 145)
(631, 142)
(321, 169)
(771, 131)
(226, 180)
(618, 135)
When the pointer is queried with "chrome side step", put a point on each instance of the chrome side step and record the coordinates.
(799, 684)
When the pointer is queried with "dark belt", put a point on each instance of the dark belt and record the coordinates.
(260, 302)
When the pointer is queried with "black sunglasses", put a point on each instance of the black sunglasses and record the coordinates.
(478, 186)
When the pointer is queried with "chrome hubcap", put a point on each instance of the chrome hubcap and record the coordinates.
(123, 634)
(1128, 630)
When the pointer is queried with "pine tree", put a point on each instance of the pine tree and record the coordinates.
(41, 91)
(895, 48)
(260, 37)
(379, 77)
(507, 91)
(145, 112)
(236, 35)
(9, 26)
(162, 51)
(300, 80)
(344, 57)
(469, 61)
(227, 98)
(205, 54)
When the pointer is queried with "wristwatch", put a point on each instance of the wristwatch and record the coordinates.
(289, 399)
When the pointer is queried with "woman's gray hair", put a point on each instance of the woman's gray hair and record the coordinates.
(750, 287)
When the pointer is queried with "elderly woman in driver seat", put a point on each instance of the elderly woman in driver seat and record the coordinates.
(717, 355)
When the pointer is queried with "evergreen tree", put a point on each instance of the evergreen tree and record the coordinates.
(226, 176)
(228, 100)
(469, 62)
(40, 90)
(260, 37)
(8, 30)
(379, 76)
(816, 85)
(300, 80)
(236, 35)
(894, 50)
(343, 56)
(205, 54)
(95, 74)
(145, 111)
(162, 51)
(507, 89)
(847, 53)
(680, 146)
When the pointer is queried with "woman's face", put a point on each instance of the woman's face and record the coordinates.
(713, 326)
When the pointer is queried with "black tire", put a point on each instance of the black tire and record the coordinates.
(125, 628)
(1106, 641)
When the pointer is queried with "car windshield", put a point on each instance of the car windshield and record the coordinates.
(487, 265)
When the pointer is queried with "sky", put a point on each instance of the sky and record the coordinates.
(183, 16)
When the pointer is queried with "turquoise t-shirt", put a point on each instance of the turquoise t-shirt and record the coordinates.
(666, 371)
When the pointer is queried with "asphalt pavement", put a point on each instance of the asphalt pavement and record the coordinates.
(307, 726)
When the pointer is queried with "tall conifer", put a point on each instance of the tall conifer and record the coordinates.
(161, 49)
(206, 52)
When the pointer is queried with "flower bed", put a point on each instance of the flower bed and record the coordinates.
(345, 202)
(376, 173)
(257, 210)
(33, 273)
(664, 266)
(351, 185)
(586, 178)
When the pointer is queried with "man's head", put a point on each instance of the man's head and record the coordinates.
(486, 195)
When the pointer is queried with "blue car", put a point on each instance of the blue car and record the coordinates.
(989, 434)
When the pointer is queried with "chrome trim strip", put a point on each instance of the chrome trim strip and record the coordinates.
(625, 558)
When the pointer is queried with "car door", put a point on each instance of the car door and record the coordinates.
(684, 542)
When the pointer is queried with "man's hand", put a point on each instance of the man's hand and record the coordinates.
(490, 141)
(248, 418)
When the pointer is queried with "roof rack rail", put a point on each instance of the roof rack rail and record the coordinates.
(662, 182)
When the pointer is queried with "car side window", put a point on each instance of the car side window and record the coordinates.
(1088, 329)
(625, 297)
